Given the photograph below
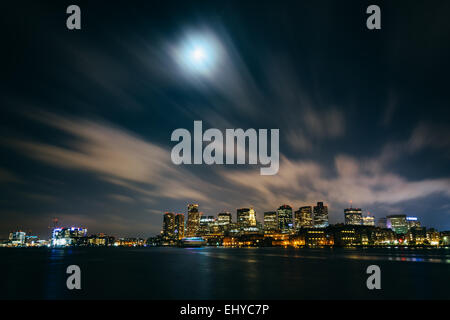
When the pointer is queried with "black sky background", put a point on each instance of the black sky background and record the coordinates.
(86, 116)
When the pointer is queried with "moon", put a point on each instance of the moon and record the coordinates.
(198, 54)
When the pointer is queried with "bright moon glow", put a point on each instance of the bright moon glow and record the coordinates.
(199, 54)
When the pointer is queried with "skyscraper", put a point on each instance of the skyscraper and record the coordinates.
(224, 220)
(303, 218)
(179, 226)
(320, 215)
(169, 226)
(206, 224)
(353, 216)
(193, 221)
(285, 218)
(246, 217)
(270, 222)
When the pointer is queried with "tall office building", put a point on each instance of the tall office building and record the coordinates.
(353, 216)
(246, 217)
(270, 222)
(397, 223)
(193, 220)
(206, 224)
(224, 221)
(285, 223)
(303, 218)
(169, 226)
(320, 215)
(179, 226)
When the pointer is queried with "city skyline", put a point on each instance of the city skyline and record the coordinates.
(294, 216)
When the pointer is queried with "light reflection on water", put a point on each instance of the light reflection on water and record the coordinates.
(223, 273)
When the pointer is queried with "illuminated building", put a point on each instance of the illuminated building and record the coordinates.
(353, 216)
(412, 222)
(179, 226)
(246, 217)
(397, 223)
(285, 224)
(100, 240)
(130, 242)
(17, 238)
(320, 215)
(303, 218)
(279, 239)
(230, 242)
(224, 221)
(270, 222)
(416, 236)
(31, 241)
(346, 236)
(193, 222)
(169, 226)
(368, 221)
(445, 238)
(62, 237)
(433, 237)
(206, 224)
(317, 237)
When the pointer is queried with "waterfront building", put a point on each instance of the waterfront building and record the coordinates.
(169, 226)
(397, 223)
(224, 220)
(445, 238)
(303, 218)
(285, 223)
(100, 240)
(347, 235)
(317, 237)
(193, 221)
(179, 226)
(73, 236)
(17, 238)
(320, 215)
(433, 237)
(206, 224)
(270, 222)
(416, 236)
(246, 217)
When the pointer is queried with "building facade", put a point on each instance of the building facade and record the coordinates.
(303, 218)
(193, 220)
(270, 222)
(320, 215)
(353, 216)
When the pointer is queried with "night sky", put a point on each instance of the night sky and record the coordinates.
(86, 115)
